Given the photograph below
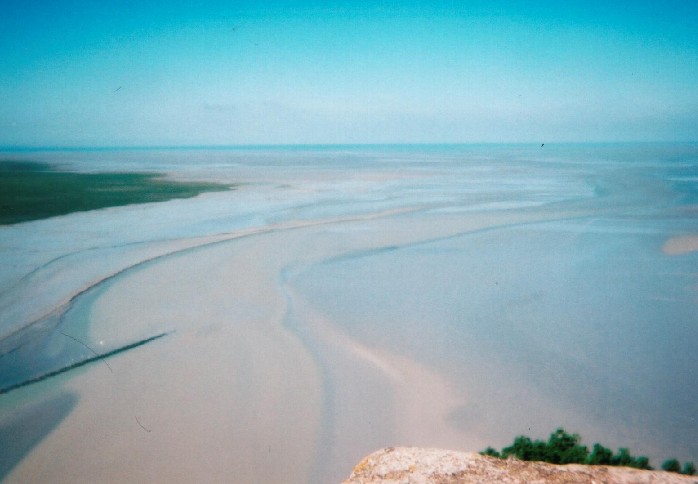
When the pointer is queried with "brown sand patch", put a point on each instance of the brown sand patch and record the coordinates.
(683, 244)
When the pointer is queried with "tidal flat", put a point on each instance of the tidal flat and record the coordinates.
(344, 299)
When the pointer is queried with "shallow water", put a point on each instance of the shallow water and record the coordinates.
(555, 306)
(600, 322)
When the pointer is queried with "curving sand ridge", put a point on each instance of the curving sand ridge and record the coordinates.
(254, 382)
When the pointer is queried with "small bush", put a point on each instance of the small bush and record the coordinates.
(600, 455)
(492, 452)
(563, 448)
(671, 465)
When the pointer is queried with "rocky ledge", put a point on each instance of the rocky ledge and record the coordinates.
(411, 465)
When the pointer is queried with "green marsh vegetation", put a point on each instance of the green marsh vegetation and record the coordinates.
(563, 448)
(32, 191)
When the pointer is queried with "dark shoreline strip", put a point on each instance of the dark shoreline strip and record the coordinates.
(80, 363)
(35, 191)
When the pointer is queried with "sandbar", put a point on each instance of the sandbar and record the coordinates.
(682, 244)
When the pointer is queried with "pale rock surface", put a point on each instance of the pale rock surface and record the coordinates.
(412, 465)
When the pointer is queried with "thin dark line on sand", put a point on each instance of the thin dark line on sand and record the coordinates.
(141, 425)
(80, 363)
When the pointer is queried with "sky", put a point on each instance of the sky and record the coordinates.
(145, 73)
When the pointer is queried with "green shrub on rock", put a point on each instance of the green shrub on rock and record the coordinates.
(600, 455)
(564, 448)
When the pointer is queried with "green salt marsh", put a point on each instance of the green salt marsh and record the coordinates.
(33, 191)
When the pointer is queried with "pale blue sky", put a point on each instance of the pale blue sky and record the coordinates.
(108, 73)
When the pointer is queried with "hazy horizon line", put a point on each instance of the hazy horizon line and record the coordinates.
(28, 148)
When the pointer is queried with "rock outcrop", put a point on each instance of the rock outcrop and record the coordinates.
(410, 465)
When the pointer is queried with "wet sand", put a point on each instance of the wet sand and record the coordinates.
(310, 323)
(253, 382)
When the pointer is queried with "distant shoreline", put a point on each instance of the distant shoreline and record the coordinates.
(35, 191)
